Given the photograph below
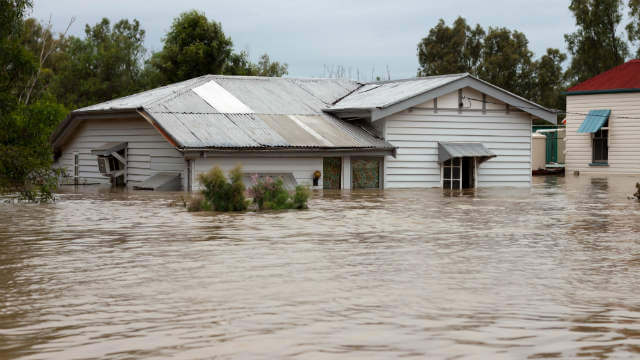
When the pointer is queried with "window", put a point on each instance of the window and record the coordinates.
(600, 145)
(452, 174)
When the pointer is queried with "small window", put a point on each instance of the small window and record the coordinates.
(600, 145)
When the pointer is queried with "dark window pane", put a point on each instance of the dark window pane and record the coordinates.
(456, 173)
(446, 184)
(456, 184)
(456, 162)
(447, 173)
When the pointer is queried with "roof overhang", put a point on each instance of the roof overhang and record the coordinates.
(75, 118)
(468, 81)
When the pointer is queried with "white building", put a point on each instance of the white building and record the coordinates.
(452, 131)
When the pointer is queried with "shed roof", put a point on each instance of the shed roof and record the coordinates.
(239, 112)
(622, 78)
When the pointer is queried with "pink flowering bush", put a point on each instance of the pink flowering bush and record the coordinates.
(271, 194)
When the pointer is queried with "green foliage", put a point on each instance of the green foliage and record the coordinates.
(451, 50)
(498, 55)
(595, 46)
(196, 46)
(270, 194)
(106, 64)
(25, 152)
(220, 194)
(633, 28)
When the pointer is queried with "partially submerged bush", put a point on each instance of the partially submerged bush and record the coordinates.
(220, 194)
(637, 194)
(271, 194)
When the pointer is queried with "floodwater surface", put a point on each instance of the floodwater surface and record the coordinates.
(547, 272)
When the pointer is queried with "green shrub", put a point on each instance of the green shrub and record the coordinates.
(271, 194)
(220, 194)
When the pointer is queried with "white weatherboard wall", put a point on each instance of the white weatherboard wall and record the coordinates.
(417, 131)
(624, 133)
(302, 168)
(148, 151)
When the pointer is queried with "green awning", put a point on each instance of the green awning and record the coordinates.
(594, 121)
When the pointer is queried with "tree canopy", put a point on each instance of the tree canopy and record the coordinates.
(196, 46)
(596, 45)
(497, 55)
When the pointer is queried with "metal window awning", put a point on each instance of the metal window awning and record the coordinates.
(163, 181)
(594, 121)
(450, 150)
(108, 148)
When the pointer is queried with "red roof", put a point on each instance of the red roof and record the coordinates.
(621, 77)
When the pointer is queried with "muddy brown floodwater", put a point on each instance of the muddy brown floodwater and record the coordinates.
(547, 272)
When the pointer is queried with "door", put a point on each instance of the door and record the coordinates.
(365, 173)
(331, 172)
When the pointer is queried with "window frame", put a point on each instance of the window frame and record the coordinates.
(600, 145)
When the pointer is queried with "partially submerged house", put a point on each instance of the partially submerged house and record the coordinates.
(603, 127)
(453, 131)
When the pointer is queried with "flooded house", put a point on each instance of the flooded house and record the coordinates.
(453, 131)
(603, 128)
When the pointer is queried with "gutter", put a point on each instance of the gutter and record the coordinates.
(593, 92)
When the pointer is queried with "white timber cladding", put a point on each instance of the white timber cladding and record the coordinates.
(302, 168)
(624, 133)
(416, 133)
(147, 151)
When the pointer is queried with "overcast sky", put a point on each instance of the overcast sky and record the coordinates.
(307, 35)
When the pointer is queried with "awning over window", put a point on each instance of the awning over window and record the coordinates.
(594, 121)
(108, 148)
(450, 150)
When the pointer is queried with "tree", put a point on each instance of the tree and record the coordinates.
(42, 43)
(16, 62)
(449, 50)
(25, 152)
(507, 61)
(633, 28)
(549, 77)
(106, 64)
(194, 46)
(595, 46)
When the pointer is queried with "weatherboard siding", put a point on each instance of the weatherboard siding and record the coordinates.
(416, 133)
(624, 133)
(147, 151)
(302, 168)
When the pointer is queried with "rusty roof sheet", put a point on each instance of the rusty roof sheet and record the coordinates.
(215, 111)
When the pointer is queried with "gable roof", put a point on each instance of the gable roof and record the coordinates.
(381, 99)
(237, 112)
(622, 78)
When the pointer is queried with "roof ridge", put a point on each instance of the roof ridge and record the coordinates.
(417, 78)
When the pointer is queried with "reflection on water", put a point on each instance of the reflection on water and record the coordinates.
(547, 272)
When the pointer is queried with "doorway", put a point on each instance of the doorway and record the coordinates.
(459, 173)
(331, 172)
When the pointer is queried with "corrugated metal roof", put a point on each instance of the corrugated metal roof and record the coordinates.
(621, 77)
(450, 150)
(383, 94)
(594, 120)
(250, 112)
